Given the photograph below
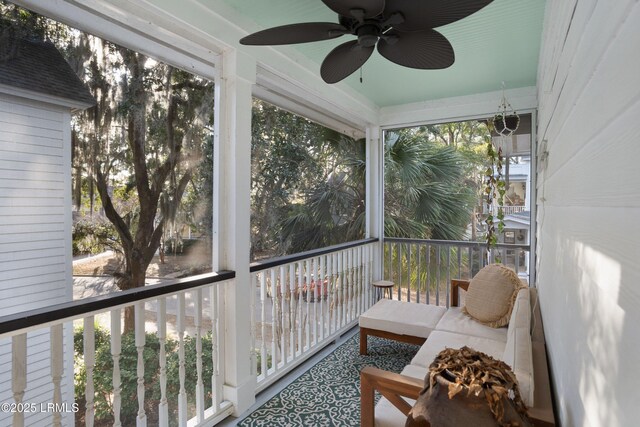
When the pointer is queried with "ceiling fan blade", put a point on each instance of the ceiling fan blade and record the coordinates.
(295, 33)
(344, 60)
(420, 15)
(371, 8)
(425, 50)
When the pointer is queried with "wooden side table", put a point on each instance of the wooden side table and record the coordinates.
(384, 289)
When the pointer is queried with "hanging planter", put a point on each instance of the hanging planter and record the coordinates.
(506, 125)
(506, 120)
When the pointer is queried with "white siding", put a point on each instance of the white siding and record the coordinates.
(35, 236)
(589, 208)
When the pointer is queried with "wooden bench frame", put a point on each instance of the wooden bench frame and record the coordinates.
(396, 386)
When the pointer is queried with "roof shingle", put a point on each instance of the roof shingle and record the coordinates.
(38, 66)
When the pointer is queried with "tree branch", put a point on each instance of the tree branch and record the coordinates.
(111, 213)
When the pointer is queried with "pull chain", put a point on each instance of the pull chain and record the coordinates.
(360, 74)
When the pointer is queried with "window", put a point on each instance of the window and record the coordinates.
(308, 184)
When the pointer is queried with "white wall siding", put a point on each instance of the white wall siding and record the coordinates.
(589, 208)
(35, 237)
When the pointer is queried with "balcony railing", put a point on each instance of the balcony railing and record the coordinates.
(509, 210)
(422, 269)
(304, 301)
(181, 314)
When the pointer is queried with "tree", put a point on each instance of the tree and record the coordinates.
(425, 191)
(140, 146)
(163, 111)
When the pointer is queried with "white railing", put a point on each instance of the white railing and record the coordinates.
(422, 269)
(508, 210)
(172, 324)
(304, 301)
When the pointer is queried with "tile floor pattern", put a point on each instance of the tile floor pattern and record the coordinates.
(329, 393)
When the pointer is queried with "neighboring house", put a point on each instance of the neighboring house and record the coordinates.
(38, 94)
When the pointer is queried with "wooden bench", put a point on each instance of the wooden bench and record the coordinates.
(395, 387)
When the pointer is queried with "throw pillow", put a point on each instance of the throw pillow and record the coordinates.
(491, 295)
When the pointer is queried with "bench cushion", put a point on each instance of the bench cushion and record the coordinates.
(454, 320)
(402, 318)
(439, 340)
(518, 350)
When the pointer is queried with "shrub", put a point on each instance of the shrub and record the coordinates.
(103, 374)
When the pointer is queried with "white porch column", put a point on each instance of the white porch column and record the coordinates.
(232, 167)
(375, 196)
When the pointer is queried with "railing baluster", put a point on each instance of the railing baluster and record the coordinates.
(340, 283)
(300, 309)
(216, 360)
(367, 274)
(399, 284)
(161, 320)
(263, 320)
(470, 261)
(307, 326)
(314, 280)
(274, 323)
(410, 272)
(116, 349)
(182, 394)
(419, 276)
(349, 273)
(199, 381)
(428, 265)
(89, 363)
(292, 310)
(141, 419)
(322, 296)
(438, 275)
(281, 316)
(18, 374)
(333, 311)
(459, 249)
(448, 284)
(360, 272)
(57, 367)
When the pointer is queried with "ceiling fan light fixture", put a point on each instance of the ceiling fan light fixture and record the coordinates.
(403, 31)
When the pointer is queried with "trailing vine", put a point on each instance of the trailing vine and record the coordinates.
(495, 189)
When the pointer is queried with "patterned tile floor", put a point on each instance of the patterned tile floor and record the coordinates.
(328, 394)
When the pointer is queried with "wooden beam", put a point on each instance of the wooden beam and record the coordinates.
(391, 385)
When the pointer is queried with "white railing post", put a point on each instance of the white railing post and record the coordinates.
(116, 349)
(18, 374)
(57, 366)
(89, 363)
(161, 319)
(199, 381)
(216, 351)
(182, 394)
(140, 338)
(263, 324)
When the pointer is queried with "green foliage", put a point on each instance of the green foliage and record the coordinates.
(426, 193)
(307, 187)
(93, 235)
(494, 190)
(103, 373)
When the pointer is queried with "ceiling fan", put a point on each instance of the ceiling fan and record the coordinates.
(403, 31)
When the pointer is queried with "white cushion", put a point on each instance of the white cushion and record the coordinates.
(521, 313)
(518, 352)
(403, 318)
(454, 320)
(388, 415)
(439, 340)
(518, 355)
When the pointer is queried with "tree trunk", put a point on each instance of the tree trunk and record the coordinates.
(133, 278)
